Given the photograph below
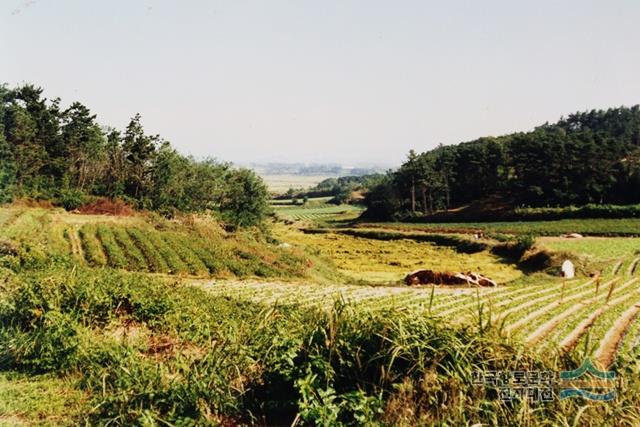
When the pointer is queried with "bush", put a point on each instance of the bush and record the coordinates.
(71, 199)
(525, 242)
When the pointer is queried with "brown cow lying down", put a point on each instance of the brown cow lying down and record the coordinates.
(447, 278)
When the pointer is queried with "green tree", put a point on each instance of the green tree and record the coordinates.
(85, 149)
(7, 168)
(245, 201)
(140, 151)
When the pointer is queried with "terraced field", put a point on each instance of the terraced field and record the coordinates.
(596, 314)
(136, 244)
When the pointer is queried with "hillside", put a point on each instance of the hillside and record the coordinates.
(588, 157)
(188, 246)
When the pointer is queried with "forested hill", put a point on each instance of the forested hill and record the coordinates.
(64, 155)
(590, 157)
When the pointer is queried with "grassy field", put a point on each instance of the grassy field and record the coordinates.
(42, 400)
(600, 248)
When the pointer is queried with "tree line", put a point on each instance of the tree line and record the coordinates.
(63, 154)
(588, 157)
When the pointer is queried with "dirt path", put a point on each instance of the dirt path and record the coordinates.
(549, 326)
(606, 352)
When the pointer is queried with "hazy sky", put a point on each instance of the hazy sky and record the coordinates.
(325, 80)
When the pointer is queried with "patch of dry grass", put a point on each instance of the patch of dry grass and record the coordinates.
(385, 261)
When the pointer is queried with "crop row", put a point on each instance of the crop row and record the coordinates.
(171, 252)
(547, 311)
(139, 249)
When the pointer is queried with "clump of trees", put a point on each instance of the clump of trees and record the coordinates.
(588, 157)
(63, 154)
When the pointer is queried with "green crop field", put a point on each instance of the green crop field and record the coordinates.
(602, 248)
(138, 244)
(597, 227)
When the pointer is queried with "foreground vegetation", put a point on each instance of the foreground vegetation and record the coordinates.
(147, 351)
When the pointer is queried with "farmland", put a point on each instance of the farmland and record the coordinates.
(138, 318)
(595, 227)
(316, 211)
(187, 247)
(529, 311)
(283, 182)
(388, 261)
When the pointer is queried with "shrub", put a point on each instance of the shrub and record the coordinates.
(71, 199)
(524, 242)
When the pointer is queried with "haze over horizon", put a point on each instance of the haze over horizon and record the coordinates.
(350, 82)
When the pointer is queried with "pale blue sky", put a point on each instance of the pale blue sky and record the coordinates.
(325, 80)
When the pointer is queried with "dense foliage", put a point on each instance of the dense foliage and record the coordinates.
(590, 157)
(63, 154)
